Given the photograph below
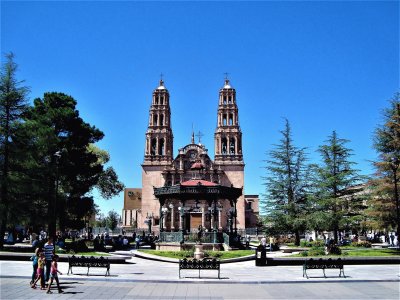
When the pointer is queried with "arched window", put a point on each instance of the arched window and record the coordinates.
(161, 120)
(224, 99)
(161, 147)
(161, 100)
(224, 146)
(224, 121)
(155, 120)
(153, 146)
(230, 119)
(232, 146)
(230, 99)
(156, 99)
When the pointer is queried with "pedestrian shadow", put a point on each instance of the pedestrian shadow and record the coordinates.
(137, 273)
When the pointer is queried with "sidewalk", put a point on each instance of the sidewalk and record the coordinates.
(148, 279)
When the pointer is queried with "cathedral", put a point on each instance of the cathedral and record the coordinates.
(192, 168)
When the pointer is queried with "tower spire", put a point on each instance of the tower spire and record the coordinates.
(228, 136)
(159, 138)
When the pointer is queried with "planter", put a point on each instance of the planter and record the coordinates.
(198, 251)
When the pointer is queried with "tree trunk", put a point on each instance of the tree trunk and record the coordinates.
(396, 197)
(297, 241)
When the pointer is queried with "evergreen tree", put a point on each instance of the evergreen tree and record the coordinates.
(64, 166)
(112, 220)
(384, 204)
(286, 187)
(338, 199)
(13, 96)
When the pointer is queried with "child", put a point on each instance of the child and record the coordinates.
(35, 259)
(53, 275)
(40, 271)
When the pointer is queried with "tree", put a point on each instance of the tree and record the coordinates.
(286, 187)
(13, 96)
(60, 145)
(337, 192)
(385, 206)
(112, 220)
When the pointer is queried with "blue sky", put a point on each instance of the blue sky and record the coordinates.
(325, 66)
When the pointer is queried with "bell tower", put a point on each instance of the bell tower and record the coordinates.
(228, 136)
(159, 138)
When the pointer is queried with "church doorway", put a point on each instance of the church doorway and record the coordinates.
(195, 221)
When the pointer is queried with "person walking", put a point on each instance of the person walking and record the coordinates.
(54, 275)
(48, 254)
(35, 258)
(40, 272)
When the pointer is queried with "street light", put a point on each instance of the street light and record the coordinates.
(148, 221)
(164, 211)
(52, 234)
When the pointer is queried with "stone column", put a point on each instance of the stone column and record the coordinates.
(172, 216)
(203, 216)
(219, 218)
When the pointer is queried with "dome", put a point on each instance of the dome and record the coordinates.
(197, 166)
(161, 87)
(227, 85)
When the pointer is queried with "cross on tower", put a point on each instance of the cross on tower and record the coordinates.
(161, 76)
(226, 75)
(199, 135)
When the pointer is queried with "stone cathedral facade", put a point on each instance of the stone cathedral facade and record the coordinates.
(161, 168)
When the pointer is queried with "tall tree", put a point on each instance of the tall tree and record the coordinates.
(69, 168)
(338, 186)
(385, 201)
(286, 187)
(13, 96)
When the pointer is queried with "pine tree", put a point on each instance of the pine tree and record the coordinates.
(338, 187)
(286, 187)
(13, 96)
(385, 206)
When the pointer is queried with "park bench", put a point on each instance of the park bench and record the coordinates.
(199, 264)
(88, 262)
(323, 264)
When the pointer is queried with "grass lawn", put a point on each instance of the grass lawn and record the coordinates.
(371, 252)
(364, 252)
(183, 254)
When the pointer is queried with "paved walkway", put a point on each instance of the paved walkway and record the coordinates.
(147, 279)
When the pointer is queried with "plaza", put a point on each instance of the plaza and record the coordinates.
(148, 279)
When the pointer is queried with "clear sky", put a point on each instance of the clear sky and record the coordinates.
(328, 65)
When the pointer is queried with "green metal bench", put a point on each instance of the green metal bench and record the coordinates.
(199, 264)
(323, 264)
(88, 262)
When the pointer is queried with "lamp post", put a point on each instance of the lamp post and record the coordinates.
(171, 206)
(52, 231)
(164, 212)
(148, 221)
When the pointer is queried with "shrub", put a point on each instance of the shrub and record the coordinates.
(304, 253)
(334, 249)
(316, 251)
(364, 244)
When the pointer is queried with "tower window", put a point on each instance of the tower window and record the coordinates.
(224, 121)
(224, 99)
(153, 147)
(224, 146)
(156, 99)
(161, 120)
(230, 119)
(230, 99)
(161, 147)
(232, 146)
(161, 100)
(155, 120)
